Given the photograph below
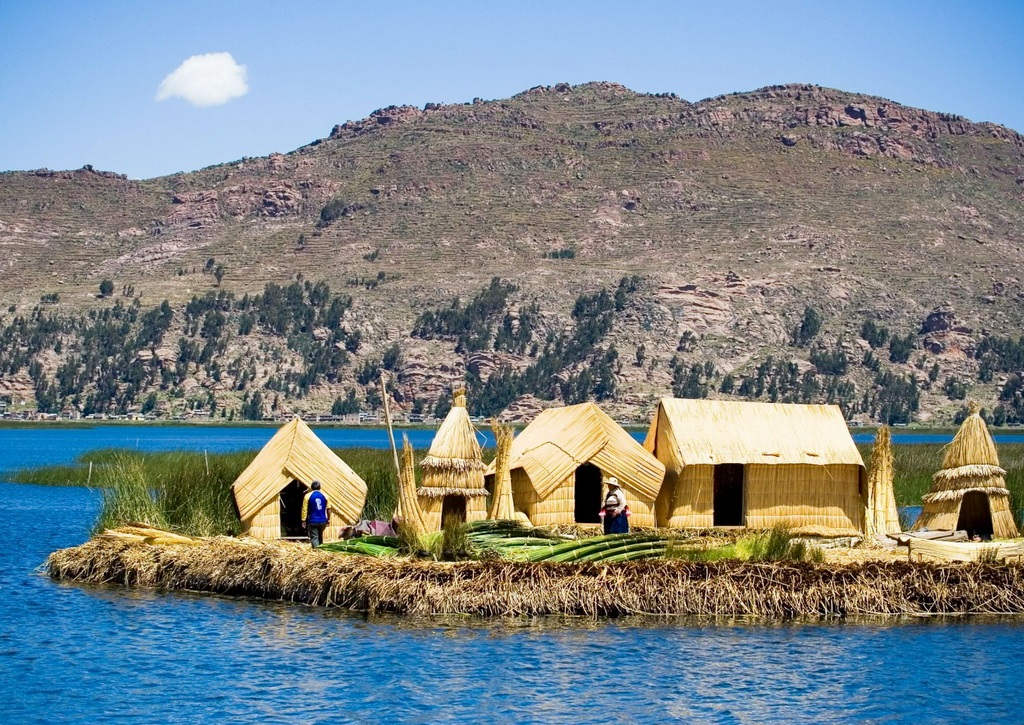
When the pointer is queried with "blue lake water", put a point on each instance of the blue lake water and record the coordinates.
(34, 446)
(71, 653)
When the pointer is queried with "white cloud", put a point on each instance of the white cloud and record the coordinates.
(209, 79)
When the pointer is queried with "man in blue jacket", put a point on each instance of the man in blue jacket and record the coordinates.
(315, 514)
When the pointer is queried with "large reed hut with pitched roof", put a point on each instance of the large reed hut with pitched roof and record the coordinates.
(270, 490)
(453, 471)
(757, 465)
(970, 491)
(558, 464)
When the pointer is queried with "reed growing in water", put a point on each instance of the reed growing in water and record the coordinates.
(185, 473)
(190, 491)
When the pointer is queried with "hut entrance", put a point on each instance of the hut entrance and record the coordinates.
(587, 492)
(728, 503)
(290, 505)
(975, 515)
(453, 509)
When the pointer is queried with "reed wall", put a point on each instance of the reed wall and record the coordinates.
(805, 498)
(559, 507)
(266, 523)
(431, 507)
(687, 498)
(944, 514)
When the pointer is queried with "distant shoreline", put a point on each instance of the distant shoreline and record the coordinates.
(16, 424)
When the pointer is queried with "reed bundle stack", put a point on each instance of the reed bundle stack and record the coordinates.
(881, 516)
(502, 506)
(758, 465)
(453, 471)
(560, 462)
(970, 491)
(269, 491)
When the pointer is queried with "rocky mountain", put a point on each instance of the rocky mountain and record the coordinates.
(748, 244)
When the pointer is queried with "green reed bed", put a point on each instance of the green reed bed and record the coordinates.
(190, 491)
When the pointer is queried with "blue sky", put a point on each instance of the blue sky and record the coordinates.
(79, 80)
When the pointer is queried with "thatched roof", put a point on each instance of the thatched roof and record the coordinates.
(970, 463)
(454, 464)
(559, 440)
(294, 452)
(690, 432)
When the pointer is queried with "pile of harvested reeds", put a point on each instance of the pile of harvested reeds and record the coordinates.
(503, 588)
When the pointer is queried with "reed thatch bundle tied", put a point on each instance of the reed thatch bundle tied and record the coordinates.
(502, 505)
(409, 514)
(970, 465)
(881, 514)
(454, 464)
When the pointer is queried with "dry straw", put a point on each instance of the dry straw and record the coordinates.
(544, 457)
(295, 453)
(970, 465)
(454, 465)
(409, 515)
(292, 572)
(800, 466)
(881, 515)
(502, 506)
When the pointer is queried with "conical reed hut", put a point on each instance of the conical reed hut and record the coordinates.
(881, 516)
(502, 506)
(453, 471)
(970, 491)
(269, 492)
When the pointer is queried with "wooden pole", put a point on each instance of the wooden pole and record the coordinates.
(207, 459)
(88, 481)
(387, 419)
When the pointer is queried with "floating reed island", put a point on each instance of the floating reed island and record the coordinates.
(719, 491)
(402, 585)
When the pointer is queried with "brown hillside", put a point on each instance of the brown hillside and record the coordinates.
(737, 212)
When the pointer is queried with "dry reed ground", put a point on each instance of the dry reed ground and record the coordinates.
(663, 587)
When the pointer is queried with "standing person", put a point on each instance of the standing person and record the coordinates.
(315, 514)
(615, 513)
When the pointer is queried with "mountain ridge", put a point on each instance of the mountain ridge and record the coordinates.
(737, 212)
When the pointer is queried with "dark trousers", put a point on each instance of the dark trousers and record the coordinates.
(316, 534)
(616, 524)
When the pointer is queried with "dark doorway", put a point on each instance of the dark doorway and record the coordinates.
(975, 515)
(453, 511)
(588, 494)
(290, 503)
(728, 503)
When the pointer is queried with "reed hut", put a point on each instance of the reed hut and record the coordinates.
(453, 471)
(880, 514)
(559, 462)
(269, 492)
(757, 465)
(970, 491)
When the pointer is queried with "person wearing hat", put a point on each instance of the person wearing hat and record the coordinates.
(315, 514)
(615, 513)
